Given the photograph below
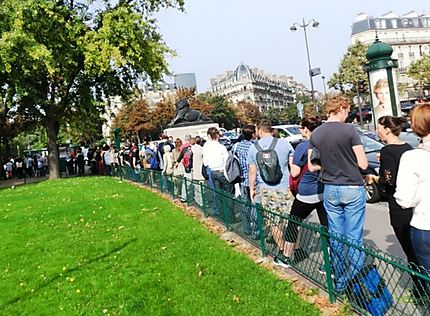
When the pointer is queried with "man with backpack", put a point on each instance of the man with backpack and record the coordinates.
(186, 157)
(268, 161)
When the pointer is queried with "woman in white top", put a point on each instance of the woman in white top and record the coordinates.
(167, 161)
(413, 185)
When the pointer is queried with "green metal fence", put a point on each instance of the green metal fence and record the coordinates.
(392, 286)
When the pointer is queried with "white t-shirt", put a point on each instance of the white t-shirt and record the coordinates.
(215, 155)
(413, 186)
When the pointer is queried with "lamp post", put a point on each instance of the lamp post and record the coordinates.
(325, 91)
(311, 72)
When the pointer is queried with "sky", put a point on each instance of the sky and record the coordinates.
(211, 37)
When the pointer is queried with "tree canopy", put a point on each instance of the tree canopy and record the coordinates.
(59, 58)
(420, 70)
(350, 69)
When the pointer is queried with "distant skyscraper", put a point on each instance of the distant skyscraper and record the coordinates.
(187, 80)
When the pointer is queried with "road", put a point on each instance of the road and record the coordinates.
(378, 232)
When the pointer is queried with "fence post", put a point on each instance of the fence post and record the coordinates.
(261, 229)
(327, 266)
(224, 210)
(160, 181)
(203, 195)
(172, 185)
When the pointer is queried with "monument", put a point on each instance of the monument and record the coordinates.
(188, 121)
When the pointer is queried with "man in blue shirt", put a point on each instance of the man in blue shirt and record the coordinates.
(276, 198)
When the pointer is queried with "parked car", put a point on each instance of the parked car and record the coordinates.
(366, 132)
(231, 135)
(290, 132)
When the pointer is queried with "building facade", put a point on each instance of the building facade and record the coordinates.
(187, 81)
(254, 85)
(409, 35)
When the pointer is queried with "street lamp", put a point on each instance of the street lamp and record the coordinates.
(312, 73)
(325, 91)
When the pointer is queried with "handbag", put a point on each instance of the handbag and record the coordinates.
(315, 157)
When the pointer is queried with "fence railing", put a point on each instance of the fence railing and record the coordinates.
(374, 282)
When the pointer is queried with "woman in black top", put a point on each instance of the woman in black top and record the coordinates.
(389, 128)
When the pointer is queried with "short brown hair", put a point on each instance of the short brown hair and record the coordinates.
(420, 119)
(335, 104)
(213, 132)
(311, 122)
(265, 125)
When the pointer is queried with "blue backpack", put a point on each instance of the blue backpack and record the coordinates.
(154, 165)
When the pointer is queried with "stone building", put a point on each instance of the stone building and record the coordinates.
(408, 34)
(256, 86)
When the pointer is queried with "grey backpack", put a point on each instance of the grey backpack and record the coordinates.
(232, 170)
(268, 163)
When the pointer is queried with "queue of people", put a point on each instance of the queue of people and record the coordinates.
(24, 167)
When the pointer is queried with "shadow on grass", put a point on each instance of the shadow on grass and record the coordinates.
(66, 272)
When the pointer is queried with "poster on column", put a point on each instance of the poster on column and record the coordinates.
(381, 99)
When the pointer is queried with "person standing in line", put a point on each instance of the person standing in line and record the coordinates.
(389, 129)
(413, 185)
(341, 156)
(275, 196)
(249, 215)
(197, 176)
(215, 157)
(186, 158)
(80, 161)
(178, 168)
(168, 164)
(106, 160)
(310, 191)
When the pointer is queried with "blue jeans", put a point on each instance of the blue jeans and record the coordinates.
(249, 214)
(345, 206)
(420, 240)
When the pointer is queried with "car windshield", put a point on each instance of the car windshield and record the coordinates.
(294, 130)
(370, 145)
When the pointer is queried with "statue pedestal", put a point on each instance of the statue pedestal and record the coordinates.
(193, 130)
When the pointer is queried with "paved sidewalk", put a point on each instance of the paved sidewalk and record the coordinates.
(15, 182)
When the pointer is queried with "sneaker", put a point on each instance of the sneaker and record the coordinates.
(283, 263)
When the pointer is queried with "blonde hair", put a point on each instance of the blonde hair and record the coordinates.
(380, 84)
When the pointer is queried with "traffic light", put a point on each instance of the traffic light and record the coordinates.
(362, 86)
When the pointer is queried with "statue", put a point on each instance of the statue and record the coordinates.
(186, 116)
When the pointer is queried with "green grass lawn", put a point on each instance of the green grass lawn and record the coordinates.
(94, 246)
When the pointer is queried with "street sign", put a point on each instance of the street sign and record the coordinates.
(315, 72)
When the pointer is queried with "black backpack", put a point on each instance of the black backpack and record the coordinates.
(268, 163)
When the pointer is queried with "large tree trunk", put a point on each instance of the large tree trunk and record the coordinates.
(53, 157)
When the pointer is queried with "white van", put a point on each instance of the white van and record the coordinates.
(290, 132)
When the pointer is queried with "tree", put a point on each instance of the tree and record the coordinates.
(163, 113)
(274, 115)
(247, 112)
(420, 71)
(57, 58)
(135, 119)
(223, 112)
(350, 70)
